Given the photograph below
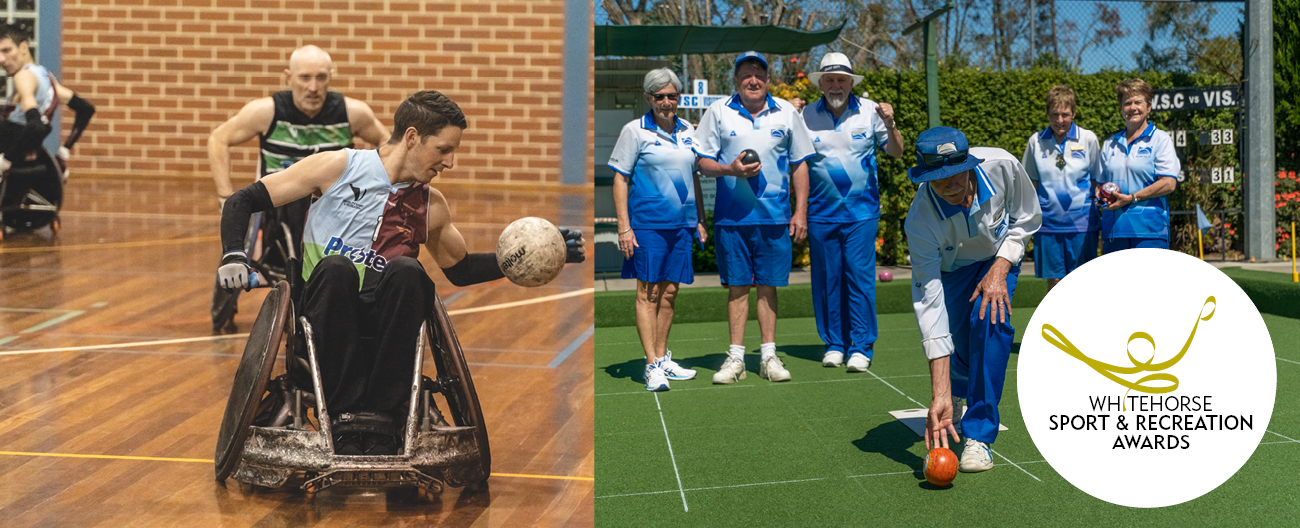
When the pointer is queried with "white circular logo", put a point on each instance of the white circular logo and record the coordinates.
(1146, 378)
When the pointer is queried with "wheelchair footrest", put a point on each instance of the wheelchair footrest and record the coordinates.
(373, 477)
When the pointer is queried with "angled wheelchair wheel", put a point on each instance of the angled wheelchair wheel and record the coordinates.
(454, 376)
(33, 193)
(251, 378)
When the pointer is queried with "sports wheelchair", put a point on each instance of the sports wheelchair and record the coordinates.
(267, 435)
(31, 193)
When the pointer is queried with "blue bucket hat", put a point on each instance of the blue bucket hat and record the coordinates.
(941, 152)
(750, 55)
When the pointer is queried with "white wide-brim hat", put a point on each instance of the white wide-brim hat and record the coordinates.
(834, 63)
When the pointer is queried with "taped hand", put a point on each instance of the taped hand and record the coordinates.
(233, 272)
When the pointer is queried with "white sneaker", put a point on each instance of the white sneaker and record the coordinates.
(976, 457)
(731, 371)
(772, 369)
(674, 371)
(655, 380)
(833, 358)
(859, 363)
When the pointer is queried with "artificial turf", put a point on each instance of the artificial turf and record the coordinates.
(822, 450)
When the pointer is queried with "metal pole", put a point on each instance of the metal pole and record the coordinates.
(1032, 55)
(1260, 225)
(931, 75)
(685, 71)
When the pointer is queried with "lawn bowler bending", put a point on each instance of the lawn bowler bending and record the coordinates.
(844, 210)
(373, 209)
(966, 231)
(753, 225)
(290, 125)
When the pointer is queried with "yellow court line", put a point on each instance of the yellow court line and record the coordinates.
(236, 336)
(114, 245)
(209, 461)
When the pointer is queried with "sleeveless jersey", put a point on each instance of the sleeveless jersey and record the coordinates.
(47, 100)
(293, 136)
(366, 218)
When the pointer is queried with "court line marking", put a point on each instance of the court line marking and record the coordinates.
(526, 302)
(670, 452)
(782, 384)
(68, 314)
(114, 245)
(568, 350)
(574, 293)
(1286, 360)
(923, 406)
(1286, 437)
(209, 461)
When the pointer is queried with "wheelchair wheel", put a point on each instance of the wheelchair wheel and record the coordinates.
(33, 193)
(453, 374)
(251, 378)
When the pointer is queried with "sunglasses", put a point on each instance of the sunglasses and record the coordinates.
(938, 160)
(671, 97)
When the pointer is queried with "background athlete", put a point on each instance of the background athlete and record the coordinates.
(363, 235)
(290, 125)
(37, 95)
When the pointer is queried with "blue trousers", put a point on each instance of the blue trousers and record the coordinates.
(978, 367)
(843, 259)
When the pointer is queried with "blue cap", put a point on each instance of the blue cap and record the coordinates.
(939, 141)
(750, 55)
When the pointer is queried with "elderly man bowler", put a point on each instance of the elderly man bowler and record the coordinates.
(844, 210)
(753, 221)
(966, 231)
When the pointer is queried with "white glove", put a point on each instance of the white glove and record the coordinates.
(4, 163)
(234, 271)
(64, 153)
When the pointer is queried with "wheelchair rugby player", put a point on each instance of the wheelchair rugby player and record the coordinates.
(366, 297)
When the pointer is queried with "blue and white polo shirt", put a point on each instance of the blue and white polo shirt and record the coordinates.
(661, 167)
(1134, 167)
(781, 139)
(1065, 172)
(842, 176)
(942, 237)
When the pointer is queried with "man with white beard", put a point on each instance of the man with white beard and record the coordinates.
(844, 210)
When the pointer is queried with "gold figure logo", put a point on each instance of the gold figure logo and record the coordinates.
(1056, 338)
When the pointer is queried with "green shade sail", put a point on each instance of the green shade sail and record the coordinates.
(653, 41)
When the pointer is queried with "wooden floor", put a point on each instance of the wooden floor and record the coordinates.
(106, 435)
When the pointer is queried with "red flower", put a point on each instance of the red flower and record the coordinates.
(1232, 231)
(1227, 225)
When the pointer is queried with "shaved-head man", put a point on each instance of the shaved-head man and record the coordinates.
(291, 125)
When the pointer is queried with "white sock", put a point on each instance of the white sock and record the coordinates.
(737, 351)
(767, 350)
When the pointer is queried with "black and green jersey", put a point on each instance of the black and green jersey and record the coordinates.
(294, 136)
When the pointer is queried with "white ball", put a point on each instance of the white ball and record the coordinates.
(531, 252)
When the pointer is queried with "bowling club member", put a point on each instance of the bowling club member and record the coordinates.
(753, 223)
(362, 237)
(1063, 160)
(1142, 161)
(658, 218)
(844, 210)
(966, 231)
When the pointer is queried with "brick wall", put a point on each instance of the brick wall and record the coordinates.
(164, 73)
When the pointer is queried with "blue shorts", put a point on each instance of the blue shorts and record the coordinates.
(1057, 254)
(1117, 244)
(753, 254)
(661, 255)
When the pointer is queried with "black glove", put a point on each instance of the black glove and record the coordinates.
(573, 245)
